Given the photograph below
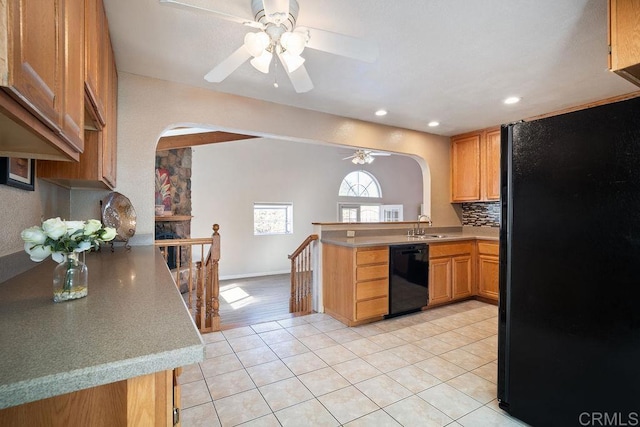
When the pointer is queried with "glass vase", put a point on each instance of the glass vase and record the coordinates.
(70, 278)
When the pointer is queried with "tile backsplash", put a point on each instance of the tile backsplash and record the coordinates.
(481, 214)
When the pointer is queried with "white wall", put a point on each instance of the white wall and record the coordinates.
(228, 178)
(147, 107)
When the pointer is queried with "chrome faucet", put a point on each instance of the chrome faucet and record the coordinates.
(419, 230)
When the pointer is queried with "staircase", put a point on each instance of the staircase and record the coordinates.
(302, 263)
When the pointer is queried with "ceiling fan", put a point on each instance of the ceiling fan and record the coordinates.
(278, 35)
(360, 157)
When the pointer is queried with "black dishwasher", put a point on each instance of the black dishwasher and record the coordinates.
(408, 278)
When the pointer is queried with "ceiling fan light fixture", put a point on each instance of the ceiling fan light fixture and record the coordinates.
(361, 157)
(292, 62)
(262, 62)
(293, 42)
(275, 30)
(256, 43)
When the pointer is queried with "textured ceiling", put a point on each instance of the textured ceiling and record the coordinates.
(453, 61)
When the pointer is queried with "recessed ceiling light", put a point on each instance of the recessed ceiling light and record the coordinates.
(433, 124)
(512, 100)
(381, 113)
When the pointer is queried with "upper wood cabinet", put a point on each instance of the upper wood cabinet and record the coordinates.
(73, 94)
(110, 129)
(465, 168)
(490, 177)
(96, 167)
(624, 39)
(475, 166)
(42, 68)
(96, 32)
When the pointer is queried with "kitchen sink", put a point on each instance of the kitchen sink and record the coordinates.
(430, 236)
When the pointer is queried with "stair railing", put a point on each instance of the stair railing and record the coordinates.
(208, 297)
(203, 279)
(302, 277)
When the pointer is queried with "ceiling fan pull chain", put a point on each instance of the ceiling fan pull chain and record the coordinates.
(275, 74)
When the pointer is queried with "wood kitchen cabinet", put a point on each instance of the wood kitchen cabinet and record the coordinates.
(465, 168)
(451, 271)
(144, 400)
(97, 165)
(42, 71)
(110, 130)
(488, 269)
(355, 283)
(624, 42)
(475, 166)
(490, 162)
(96, 33)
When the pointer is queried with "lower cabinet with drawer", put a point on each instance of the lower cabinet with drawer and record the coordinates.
(451, 271)
(355, 283)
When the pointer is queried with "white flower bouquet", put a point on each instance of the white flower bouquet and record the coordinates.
(57, 237)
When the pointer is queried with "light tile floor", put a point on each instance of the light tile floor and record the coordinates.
(434, 368)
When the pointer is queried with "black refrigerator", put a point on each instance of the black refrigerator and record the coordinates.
(569, 313)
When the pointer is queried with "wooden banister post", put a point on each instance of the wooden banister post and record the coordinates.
(213, 292)
(199, 297)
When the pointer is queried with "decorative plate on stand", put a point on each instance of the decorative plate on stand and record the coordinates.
(117, 212)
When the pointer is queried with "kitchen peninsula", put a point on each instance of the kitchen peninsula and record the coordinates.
(355, 273)
(106, 359)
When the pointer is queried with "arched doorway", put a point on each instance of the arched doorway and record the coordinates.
(235, 177)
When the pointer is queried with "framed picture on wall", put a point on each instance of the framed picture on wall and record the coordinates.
(18, 172)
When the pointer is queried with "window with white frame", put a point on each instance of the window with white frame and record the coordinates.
(360, 184)
(362, 212)
(348, 212)
(272, 218)
(391, 213)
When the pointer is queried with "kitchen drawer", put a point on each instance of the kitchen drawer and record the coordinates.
(488, 248)
(449, 249)
(372, 289)
(372, 308)
(373, 256)
(371, 272)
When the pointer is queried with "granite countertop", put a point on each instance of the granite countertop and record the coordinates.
(402, 239)
(133, 322)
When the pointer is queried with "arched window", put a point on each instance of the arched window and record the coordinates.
(360, 184)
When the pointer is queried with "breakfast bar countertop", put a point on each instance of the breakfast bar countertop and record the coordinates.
(132, 322)
(431, 235)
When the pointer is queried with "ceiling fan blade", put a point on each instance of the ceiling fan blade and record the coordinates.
(380, 154)
(276, 6)
(222, 15)
(299, 78)
(347, 158)
(228, 66)
(340, 44)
